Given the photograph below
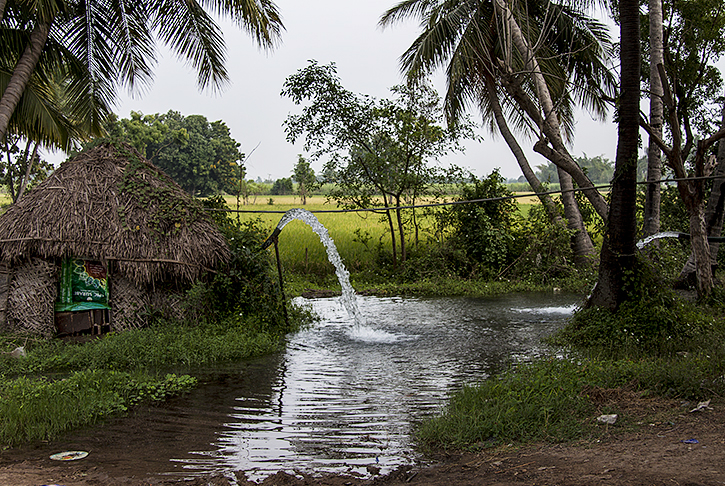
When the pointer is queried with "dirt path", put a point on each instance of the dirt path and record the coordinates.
(647, 447)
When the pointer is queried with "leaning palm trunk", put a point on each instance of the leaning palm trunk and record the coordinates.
(550, 122)
(581, 243)
(503, 128)
(22, 73)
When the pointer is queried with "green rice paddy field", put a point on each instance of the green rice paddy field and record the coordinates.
(356, 235)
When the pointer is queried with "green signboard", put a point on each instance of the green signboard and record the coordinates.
(83, 285)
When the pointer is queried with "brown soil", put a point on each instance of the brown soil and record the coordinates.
(646, 447)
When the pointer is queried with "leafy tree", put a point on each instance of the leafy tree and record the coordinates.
(379, 149)
(691, 88)
(599, 169)
(22, 168)
(282, 187)
(199, 155)
(483, 229)
(305, 178)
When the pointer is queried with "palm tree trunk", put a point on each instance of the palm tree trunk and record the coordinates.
(510, 139)
(21, 75)
(2, 8)
(654, 159)
(28, 168)
(550, 122)
(581, 243)
(618, 248)
(9, 173)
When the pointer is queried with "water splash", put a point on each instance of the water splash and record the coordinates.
(348, 292)
(665, 234)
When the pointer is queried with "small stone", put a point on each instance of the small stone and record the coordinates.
(608, 419)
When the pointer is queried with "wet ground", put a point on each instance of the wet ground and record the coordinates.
(649, 448)
(338, 407)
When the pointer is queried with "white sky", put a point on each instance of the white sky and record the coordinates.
(345, 32)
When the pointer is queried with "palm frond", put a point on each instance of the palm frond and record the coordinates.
(194, 35)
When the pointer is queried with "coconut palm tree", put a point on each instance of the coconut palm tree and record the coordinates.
(117, 39)
(542, 55)
(52, 111)
(618, 248)
(651, 224)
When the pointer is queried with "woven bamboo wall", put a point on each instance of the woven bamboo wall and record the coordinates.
(129, 305)
(31, 298)
(28, 294)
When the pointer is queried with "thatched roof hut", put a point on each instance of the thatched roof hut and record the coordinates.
(111, 205)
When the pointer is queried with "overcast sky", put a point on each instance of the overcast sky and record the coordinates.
(344, 32)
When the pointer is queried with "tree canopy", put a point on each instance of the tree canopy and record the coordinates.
(106, 44)
(201, 156)
(379, 150)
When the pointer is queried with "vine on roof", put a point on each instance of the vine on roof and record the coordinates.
(167, 212)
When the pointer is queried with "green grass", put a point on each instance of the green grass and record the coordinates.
(548, 398)
(59, 386)
(536, 401)
(39, 408)
(357, 236)
(159, 348)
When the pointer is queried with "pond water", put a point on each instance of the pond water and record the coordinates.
(344, 397)
(340, 397)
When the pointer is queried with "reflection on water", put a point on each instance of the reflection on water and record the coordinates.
(338, 399)
(342, 398)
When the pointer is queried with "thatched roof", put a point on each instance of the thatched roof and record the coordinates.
(110, 203)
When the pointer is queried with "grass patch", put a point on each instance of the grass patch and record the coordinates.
(548, 399)
(161, 347)
(40, 408)
(45, 393)
(540, 400)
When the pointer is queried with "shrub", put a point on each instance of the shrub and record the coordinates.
(483, 230)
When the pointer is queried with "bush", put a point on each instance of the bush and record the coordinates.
(247, 285)
(654, 321)
(483, 230)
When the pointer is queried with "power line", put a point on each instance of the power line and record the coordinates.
(468, 201)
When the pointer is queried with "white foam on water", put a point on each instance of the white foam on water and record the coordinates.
(368, 334)
(568, 309)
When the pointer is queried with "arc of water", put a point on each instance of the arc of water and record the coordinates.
(665, 234)
(348, 292)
